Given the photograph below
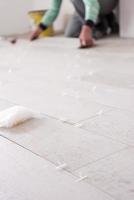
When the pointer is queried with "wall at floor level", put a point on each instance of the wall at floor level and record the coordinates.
(13, 16)
(127, 18)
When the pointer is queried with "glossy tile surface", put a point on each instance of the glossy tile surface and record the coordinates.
(114, 175)
(86, 98)
(24, 175)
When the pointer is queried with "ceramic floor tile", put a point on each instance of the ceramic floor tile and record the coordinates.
(59, 142)
(53, 100)
(23, 65)
(4, 104)
(111, 78)
(115, 97)
(114, 175)
(53, 77)
(24, 175)
(117, 124)
(43, 85)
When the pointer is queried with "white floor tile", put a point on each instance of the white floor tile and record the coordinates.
(114, 175)
(53, 77)
(52, 99)
(36, 73)
(24, 175)
(59, 142)
(116, 124)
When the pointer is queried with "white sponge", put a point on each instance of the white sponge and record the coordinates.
(14, 116)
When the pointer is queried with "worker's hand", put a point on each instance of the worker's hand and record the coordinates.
(36, 34)
(86, 39)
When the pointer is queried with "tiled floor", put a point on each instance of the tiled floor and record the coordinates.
(86, 98)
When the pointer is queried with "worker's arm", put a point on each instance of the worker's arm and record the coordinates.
(92, 9)
(48, 18)
(52, 13)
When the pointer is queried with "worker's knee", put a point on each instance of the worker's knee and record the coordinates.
(72, 31)
(71, 34)
(74, 26)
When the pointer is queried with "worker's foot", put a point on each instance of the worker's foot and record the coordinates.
(35, 35)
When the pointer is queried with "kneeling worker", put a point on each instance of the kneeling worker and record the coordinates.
(83, 21)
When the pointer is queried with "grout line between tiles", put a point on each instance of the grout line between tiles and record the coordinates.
(67, 171)
(111, 108)
(108, 137)
(94, 116)
(36, 154)
(85, 181)
(103, 158)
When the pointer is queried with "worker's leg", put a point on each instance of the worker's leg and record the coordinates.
(112, 23)
(107, 6)
(75, 24)
(106, 19)
(73, 28)
(79, 8)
